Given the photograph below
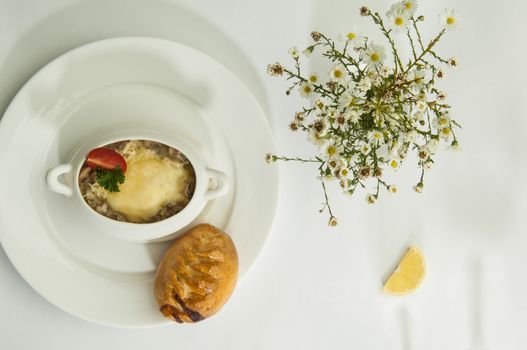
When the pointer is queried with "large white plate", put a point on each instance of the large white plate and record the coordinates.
(177, 88)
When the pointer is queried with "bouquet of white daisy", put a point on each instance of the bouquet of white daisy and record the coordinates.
(373, 109)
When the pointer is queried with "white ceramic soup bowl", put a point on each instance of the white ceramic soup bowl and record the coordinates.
(210, 184)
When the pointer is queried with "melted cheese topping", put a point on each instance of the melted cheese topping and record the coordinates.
(150, 184)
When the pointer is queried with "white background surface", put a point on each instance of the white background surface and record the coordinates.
(313, 287)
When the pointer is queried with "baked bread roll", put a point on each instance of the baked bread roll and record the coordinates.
(197, 275)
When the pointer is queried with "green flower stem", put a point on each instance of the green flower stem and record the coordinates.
(378, 20)
(419, 39)
(427, 50)
(317, 86)
(341, 56)
(437, 57)
(411, 43)
(297, 159)
(326, 202)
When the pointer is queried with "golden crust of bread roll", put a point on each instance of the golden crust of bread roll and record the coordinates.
(197, 275)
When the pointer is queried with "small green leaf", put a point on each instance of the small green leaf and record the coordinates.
(110, 178)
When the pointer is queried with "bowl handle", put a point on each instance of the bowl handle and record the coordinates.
(53, 182)
(222, 184)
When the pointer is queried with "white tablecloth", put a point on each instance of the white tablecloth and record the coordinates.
(315, 287)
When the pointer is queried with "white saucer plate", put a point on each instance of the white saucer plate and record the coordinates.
(125, 80)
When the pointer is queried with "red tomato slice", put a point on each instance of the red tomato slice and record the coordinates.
(105, 158)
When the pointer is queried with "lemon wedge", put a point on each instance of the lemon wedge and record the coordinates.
(409, 275)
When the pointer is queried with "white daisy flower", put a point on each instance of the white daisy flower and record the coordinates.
(364, 84)
(353, 37)
(374, 55)
(410, 6)
(293, 52)
(397, 18)
(445, 133)
(345, 184)
(454, 145)
(419, 78)
(395, 163)
(365, 149)
(441, 121)
(392, 189)
(344, 173)
(300, 116)
(306, 89)
(432, 145)
(453, 62)
(338, 73)
(428, 164)
(329, 150)
(313, 78)
(441, 95)
(315, 138)
(419, 187)
(421, 106)
(275, 70)
(449, 19)
(353, 116)
(365, 172)
(341, 121)
(320, 104)
(376, 137)
(342, 162)
(371, 198)
(320, 126)
(347, 100)
(293, 126)
(270, 158)
(336, 163)
(423, 152)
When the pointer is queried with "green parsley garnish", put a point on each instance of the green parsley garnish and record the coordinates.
(110, 178)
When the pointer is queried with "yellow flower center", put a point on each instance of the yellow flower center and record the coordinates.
(408, 5)
(313, 78)
(394, 164)
(399, 21)
(445, 131)
(443, 121)
(377, 136)
(307, 89)
(344, 172)
(450, 20)
(375, 57)
(351, 36)
(338, 73)
(332, 150)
